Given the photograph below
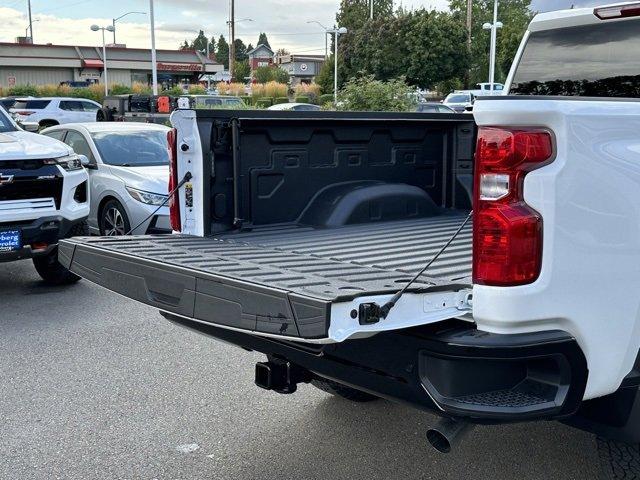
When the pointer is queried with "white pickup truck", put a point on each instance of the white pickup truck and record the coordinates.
(305, 236)
(43, 198)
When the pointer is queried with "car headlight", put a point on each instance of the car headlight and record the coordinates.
(68, 163)
(147, 197)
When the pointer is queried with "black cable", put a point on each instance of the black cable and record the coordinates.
(386, 308)
(187, 177)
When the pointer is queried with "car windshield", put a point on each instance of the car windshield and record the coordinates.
(457, 99)
(5, 124)
(599, 60)
(137, 148)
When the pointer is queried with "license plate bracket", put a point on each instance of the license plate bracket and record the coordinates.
(10, 240)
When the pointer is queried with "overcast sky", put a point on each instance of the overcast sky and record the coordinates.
(68, 21)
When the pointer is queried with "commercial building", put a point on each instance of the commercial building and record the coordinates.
(22, 64)
(301, 68)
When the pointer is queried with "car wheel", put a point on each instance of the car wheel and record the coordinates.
(343, 391)
(104, 115)
(51, 270)
(618, 460)
(113, 220)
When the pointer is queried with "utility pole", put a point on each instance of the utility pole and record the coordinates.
(154, 58)
(371, 15)
(30, 21)
(232, 35)
(469, 36)
(494, 41)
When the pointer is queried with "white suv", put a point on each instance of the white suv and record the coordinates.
(43, 198)
(51, 111)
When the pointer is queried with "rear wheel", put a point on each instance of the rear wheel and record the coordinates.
(47, 123)
(50, 269)
(104, 115)
(343, 391)
(618, 460)
(113, 220)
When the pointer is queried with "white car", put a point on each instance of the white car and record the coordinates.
(459, 101)
(295, 107)
(43, 198)
(129, 174)
(50, 111)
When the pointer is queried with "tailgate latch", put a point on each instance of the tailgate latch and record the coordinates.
(370, 313)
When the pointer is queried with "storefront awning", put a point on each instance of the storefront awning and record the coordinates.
(99, 64)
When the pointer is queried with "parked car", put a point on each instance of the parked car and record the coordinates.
(295, 107)
(484, 89)
(216, 101)
(434, 108)
(43, 198)
(8, 102)
(128, 170)
(459, 101)
(485, 268)
(52, 111)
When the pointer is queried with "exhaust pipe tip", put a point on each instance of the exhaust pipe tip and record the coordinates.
(447, 434)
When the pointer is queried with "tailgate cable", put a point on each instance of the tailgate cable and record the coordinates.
(371, 313)
(187, 177)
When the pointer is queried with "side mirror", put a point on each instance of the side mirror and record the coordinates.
(86, 163)
(32, 127)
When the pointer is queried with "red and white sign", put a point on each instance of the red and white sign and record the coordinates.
(11, 81)
(180, 67)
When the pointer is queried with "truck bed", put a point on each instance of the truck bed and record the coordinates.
(280, 280)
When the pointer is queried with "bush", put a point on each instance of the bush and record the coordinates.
(49, 90)
(271, 74)
(225, 88)
(275, 89)
(118, 89)
(324, 99)
(257, 91)
(311, 90)
(302, 99)
(197, 90)
(139, 88)
(367, 94)
(280, 100)
(173, 92)
(23, 91)
(264, 102)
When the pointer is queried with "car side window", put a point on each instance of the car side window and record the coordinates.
(71, 106)
(89, 107)
(79, 145)
(57, 134)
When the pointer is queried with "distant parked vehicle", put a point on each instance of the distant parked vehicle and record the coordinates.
(459, 101)
(434, 108)
(216, 101)
(484, 89)
(51, 111)
(8, 102)
(128, 171)
(295, 107)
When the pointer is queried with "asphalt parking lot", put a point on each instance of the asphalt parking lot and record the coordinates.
(95, 386)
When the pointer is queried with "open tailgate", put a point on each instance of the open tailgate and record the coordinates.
(252, 284)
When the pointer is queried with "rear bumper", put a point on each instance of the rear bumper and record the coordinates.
(46, 230)
(450, 368)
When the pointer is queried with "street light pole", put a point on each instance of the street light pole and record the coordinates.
(154, 59)
(232, 37)
(110, 28)
(122, 16)
(26, 30)
(371, 15)
(494, 41)
(326, 37)
(337, 32)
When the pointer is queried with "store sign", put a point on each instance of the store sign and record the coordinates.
(180, 67)
(304, 67)
(11, 81)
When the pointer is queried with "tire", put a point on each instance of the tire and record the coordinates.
(50, 269)
(104, 115)
(114, 221)
(618, 460)
(343, 391)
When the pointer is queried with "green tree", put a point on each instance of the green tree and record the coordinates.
(325, 76)
(354, 14)
(200, 43)
(241, 50)
(371, 95)
(222, 52)
(263, 40)
(241, 70)
(270, 73)
(514, 14)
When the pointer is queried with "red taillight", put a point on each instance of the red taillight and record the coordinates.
(620, 11)
(174, 201)
(507, 233)
(24, 113)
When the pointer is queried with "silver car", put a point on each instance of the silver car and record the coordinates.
(128, 174)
